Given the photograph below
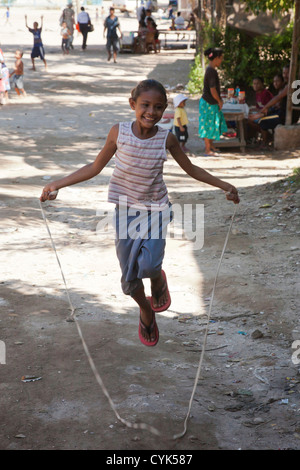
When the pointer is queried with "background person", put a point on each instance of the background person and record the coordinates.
(68, 15)
(84, 21)
(111, 24)
(38, 47)
(211, 119)
(276, 115)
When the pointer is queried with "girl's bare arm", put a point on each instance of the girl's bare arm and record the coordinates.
(86, 172)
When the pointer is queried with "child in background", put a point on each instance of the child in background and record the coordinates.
(66, 35)
(2, 87)
(137, 189)
(151, 39)
(5, 85)
(38, 48)
(17, 74)
(181, 121)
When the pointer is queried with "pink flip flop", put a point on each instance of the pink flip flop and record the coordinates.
(159, 293)
(149, 330)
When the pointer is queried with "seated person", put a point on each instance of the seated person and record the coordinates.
(139, 41)
(151, 38)
(274, 116)
(262, 97)
(262, 94)
(278, 84)
(179, 21)
(192, 22)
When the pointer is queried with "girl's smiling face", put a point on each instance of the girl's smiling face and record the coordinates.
(149, 107)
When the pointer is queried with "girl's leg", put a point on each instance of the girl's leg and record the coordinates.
(157, 284)
(146, 313)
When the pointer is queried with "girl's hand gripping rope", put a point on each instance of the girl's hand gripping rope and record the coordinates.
(232, 195)
(49, 193)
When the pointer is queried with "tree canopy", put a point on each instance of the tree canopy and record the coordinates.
(276, 6)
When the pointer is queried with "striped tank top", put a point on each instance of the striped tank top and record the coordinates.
(138, 174)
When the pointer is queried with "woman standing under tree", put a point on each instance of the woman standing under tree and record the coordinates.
(211, 119)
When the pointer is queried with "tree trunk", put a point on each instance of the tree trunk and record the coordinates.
(293, 63)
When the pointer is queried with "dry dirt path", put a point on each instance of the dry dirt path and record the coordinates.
(248, 395)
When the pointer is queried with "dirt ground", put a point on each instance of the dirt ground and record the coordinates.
(248, 393)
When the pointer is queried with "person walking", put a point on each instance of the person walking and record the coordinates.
(84, 21)
(111, 24)
(68, 15)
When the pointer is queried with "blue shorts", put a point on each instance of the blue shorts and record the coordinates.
(38, 51)
(112, 43)
(140, 256)
(17, 81)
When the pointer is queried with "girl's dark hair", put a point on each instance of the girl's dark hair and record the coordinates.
(213, 52)
(147, 85)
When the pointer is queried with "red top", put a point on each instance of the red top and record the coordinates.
(262, 98)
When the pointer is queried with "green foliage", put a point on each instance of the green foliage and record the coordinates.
(263, 56)
(209, 36)
(291, 184)
(244, 57)
(196, 76)
(276, 6)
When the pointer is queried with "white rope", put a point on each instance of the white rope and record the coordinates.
(72, 318)
(177, 436)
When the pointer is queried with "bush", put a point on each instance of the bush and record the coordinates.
(196, 76)
(244, 57)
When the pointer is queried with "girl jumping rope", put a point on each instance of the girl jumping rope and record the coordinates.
(137, 185)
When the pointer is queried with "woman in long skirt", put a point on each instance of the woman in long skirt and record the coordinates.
(211, 119)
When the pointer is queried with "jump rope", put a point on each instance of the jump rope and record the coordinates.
(72, 318)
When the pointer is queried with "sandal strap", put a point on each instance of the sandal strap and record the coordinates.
(149, 329)
(157, 294)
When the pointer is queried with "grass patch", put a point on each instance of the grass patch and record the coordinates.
(291, 183)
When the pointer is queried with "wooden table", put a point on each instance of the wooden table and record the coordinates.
(239, 141)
